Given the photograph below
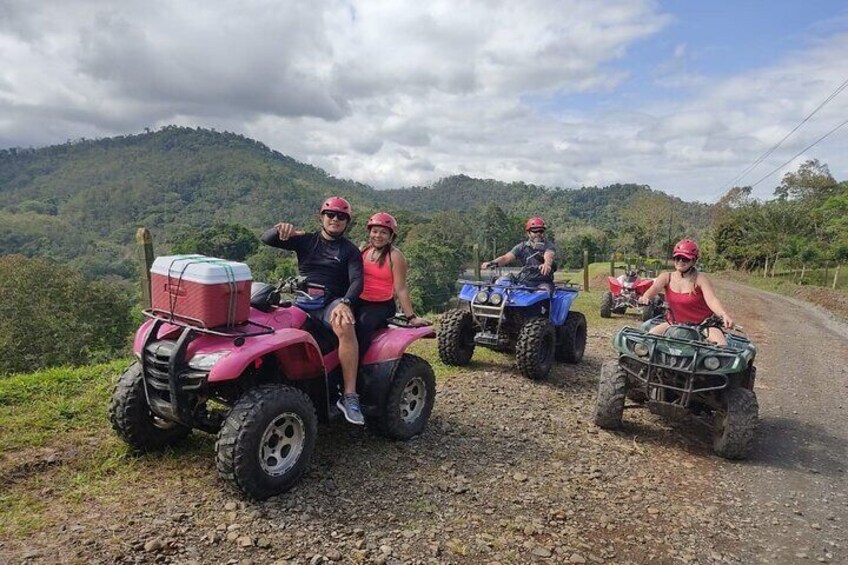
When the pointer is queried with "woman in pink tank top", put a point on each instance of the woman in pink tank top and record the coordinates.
(384, 274)
(688, 293)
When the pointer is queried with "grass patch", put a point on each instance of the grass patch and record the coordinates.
(781, 284)
(834, 301)
(21, 512)
(60, 455)
(44, 407)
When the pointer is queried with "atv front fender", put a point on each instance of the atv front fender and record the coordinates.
(166, 330)
(642, 286)
(614, 285)
(561, 304)
(295, 350)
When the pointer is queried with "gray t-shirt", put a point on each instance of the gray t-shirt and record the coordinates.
(533, 254)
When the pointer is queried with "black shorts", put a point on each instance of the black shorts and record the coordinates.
(370, 317)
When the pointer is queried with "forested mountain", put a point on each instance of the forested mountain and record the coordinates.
(598, 207)
(82, 201)
(86, 198)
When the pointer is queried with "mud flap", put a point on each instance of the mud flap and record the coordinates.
(373, 385)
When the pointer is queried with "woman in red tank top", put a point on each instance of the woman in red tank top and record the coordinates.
(384, 274)
(688, 293)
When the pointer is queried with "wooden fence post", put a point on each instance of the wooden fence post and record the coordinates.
(612, 265)
(836, 276)
(585, 269)
(145, 260)
(477, 261)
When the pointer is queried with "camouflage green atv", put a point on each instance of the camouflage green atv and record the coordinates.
(681, 373)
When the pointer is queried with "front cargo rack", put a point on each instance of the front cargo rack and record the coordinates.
(198, 325)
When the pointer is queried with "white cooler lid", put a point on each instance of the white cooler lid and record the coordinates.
(200, 269)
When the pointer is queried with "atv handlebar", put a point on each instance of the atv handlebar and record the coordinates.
(298, 285)
(716, 321)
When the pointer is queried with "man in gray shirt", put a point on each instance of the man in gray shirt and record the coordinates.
(536, 251)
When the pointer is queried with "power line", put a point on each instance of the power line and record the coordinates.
(800, 153)
(765, 155)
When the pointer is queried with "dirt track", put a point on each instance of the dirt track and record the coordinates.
(511, 471)
(795, 483)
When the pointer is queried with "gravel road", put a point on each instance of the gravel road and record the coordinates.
(795, 483)
(513, 471)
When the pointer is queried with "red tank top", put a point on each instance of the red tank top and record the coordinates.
(685, 307)
(378, 280)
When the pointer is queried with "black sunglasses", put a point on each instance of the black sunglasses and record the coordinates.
(538, 230)
(682, 259)
(333, 215)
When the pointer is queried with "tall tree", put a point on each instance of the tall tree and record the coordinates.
(811, 182)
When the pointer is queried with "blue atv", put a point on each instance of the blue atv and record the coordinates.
(506, 314)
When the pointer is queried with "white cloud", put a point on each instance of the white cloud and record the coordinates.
(401, 93)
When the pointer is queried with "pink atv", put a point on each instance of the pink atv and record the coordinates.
(263, 386)
(624, 293)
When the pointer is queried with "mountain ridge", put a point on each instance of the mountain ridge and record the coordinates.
(86, 198)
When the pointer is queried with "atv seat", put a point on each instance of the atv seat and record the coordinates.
(263, 296)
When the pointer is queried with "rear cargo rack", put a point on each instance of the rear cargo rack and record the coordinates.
(197, 325)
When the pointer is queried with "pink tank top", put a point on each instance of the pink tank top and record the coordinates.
(686, 308)
(378, 280)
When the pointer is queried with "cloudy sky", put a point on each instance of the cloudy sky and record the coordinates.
(676, 94)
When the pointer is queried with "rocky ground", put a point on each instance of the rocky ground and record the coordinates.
(509, 471)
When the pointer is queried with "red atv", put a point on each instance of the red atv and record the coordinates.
(624, 293)
(263, 385)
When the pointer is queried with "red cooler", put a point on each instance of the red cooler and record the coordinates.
(201, 290)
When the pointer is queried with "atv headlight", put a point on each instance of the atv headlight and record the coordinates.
(481, 297)
(205, 361)
(712, 363)
(496, 299)
(640, 349)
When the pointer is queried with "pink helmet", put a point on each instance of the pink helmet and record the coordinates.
(337, 204)
(686, 248)
(535, 223)
(384, 220)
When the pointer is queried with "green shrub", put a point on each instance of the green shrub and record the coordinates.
(50, 315)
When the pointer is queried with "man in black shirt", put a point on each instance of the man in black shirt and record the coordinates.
(327, 258)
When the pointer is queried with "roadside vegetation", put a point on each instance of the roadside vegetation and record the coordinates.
(56, 419)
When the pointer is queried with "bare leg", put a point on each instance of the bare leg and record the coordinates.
(716, 336)
(348, 355)
(660, 329)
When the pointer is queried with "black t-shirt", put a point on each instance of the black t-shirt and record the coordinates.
(333, 263)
